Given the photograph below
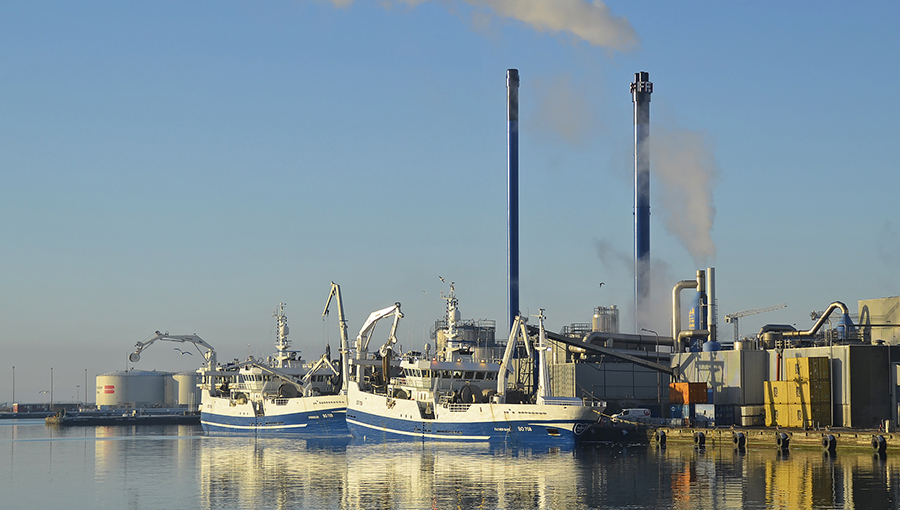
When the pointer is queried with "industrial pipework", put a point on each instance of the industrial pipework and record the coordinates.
(844, 324)
(702, 316)
(512, 201)
(641, 89)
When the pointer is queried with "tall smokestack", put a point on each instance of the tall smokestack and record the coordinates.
(640, 95)
(512, 225)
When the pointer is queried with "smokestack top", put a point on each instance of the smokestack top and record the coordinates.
(642, 87)
(512, 77)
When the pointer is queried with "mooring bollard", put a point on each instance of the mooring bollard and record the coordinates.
(740, 440)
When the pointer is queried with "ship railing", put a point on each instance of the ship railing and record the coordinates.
(589, 402)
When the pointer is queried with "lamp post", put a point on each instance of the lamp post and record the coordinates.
(658, 399)
(14, 385)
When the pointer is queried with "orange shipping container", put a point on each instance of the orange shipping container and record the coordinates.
(687, 393)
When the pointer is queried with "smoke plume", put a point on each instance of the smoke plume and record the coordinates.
(564, 110)
(657, 310)
(682, 162)
(589, 21)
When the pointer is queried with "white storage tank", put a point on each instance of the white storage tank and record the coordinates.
(135, 388)
(186, 391)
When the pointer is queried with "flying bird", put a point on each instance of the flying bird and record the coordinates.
(601, 283)
(442, 279)
(184, 352)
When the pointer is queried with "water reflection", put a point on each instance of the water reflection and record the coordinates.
(178, 467)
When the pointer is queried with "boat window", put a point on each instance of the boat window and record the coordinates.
(445, 374)
(426, 373)
(490, 376)
(457, 374)
(479, 375)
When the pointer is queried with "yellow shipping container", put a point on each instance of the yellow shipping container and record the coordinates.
(815, 368)
(785, 392)
(808, 415)
(797, 416)
(770, 415)
(782, 415)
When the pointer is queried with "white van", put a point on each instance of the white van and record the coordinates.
(635, 414)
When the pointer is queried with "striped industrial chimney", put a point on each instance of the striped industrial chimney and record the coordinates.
(640, 94)
(512, 202)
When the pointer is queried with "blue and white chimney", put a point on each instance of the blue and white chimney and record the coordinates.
(640, 96)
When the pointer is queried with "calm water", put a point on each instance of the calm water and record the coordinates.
(170, 467)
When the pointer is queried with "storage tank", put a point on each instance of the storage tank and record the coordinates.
(186, 391)
(135, 388)
(606, 319)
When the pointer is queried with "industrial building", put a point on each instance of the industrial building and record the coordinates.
(863, 360)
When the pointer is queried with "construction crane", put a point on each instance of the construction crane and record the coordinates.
(733, 317)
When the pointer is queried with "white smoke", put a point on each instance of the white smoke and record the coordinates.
(589, 21)
(657, 310)
(564, 110)
(682, 161)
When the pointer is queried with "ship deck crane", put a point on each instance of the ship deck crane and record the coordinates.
(210, 354)
(345, 343)
(365, 334)
(733, 317)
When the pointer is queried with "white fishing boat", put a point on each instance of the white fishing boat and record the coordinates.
(281, 395)
(453, 397)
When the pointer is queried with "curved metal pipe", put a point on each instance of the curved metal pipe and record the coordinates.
(820, 322)
(676, 310)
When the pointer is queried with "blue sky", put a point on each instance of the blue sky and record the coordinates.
(188, 166)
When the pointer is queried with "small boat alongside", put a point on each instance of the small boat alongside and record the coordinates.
(455, 397)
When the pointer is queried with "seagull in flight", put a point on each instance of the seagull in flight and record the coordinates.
(601, 283)
(184, 352)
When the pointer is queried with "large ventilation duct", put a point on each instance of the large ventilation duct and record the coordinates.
(512, 202)
(640, 96)
(845, 324)
(702, 315)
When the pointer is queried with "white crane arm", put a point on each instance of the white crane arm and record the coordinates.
(515, 332)
(365, 333)
(210, 354)
(345, 342)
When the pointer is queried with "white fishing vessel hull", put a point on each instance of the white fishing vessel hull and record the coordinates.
(379, 417)
(313, 415)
